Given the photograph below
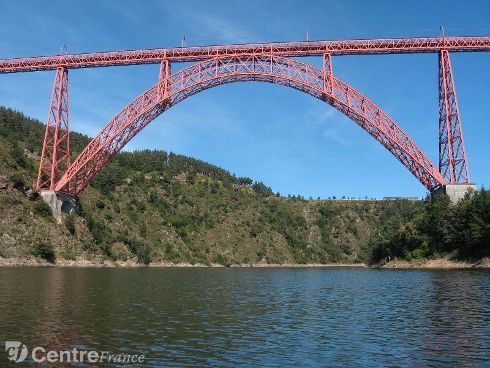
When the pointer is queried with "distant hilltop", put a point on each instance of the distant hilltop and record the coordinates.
(401, 198)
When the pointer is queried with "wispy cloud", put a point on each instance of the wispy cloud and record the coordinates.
(183, 126)
(210, 25)
(334, 135)
(336, 124)
(221, 28)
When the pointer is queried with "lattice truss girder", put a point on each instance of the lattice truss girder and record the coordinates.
(251, 67)
(295, 48)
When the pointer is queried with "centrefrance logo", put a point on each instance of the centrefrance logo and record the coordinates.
(17, 352)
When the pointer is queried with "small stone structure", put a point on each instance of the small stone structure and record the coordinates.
(457, 192)
(60, 202)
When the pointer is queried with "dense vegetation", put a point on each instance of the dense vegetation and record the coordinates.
(164, 207)
(440, 229)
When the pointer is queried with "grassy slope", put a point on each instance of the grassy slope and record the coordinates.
(155, 206)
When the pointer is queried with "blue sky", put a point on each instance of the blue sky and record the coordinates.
(288, 140)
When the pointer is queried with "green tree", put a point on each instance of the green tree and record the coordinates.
(245, 181)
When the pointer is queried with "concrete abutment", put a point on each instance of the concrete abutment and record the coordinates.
(60, 203)
(456, 192)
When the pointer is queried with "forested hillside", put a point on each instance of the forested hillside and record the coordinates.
(440, 229)
(155, 206)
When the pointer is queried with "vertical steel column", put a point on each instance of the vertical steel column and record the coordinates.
(165, 73)
(452, 154)
(55, 157)
(327, 73)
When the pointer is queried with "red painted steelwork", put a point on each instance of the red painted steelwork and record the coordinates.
(452, 154)
(296, 49)
(55, 157)
(240, 68)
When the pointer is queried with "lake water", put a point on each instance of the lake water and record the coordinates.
(253, 317)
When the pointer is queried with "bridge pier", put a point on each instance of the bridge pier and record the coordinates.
(456, 192)
(59, 203)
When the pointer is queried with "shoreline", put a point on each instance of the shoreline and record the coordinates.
(104, 263)
(438, 263)
(441, 263)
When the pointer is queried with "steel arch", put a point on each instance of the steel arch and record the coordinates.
(239, 68)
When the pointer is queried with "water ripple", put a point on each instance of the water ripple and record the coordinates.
(254, 317)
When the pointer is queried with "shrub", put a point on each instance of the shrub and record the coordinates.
(43, 250)
(140, 249)
(69, 255)
(84, 209)
(101, 233)
(6, 200)
(119, 251)
(19, 157)
(70, 223)
(144, 254)
(222, 260)
(42, 209)
(191, 178)
(18, 181)
(419, 254)
(262, 190)
(170, 253)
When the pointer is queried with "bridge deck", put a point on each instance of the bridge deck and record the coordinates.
(296, 49)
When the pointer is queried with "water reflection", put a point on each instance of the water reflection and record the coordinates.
(258, 317)
(457, 316)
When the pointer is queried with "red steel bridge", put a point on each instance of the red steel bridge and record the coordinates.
(275, 62)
